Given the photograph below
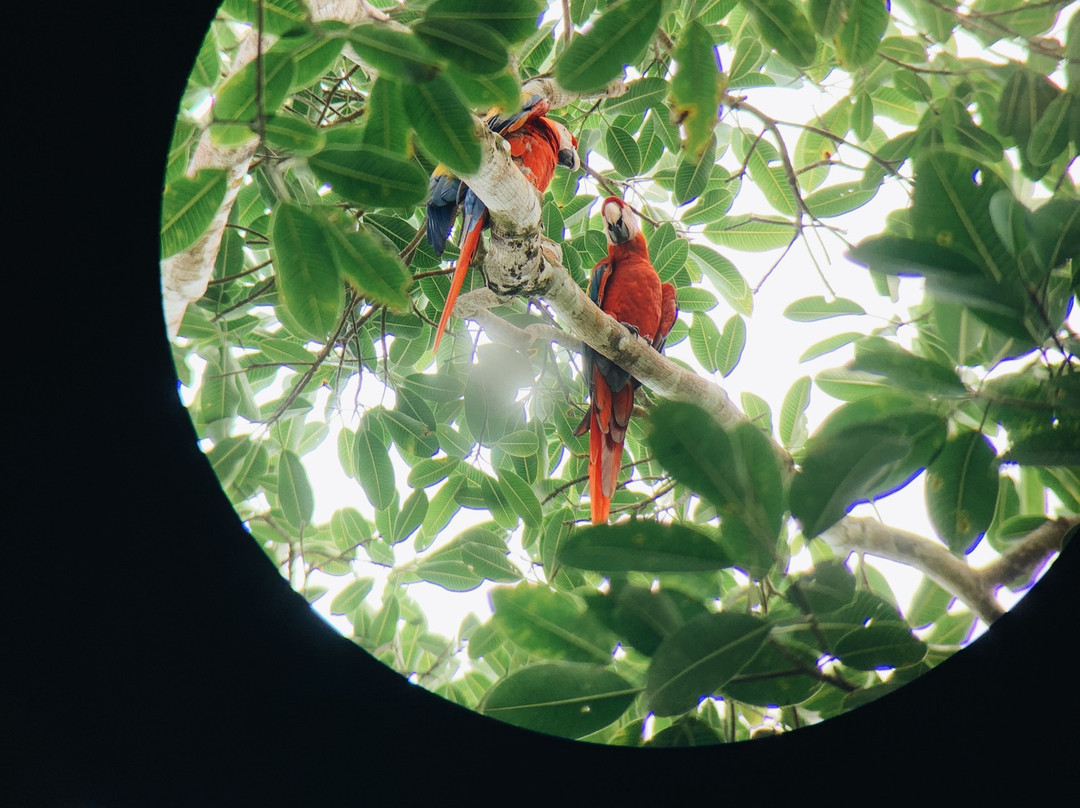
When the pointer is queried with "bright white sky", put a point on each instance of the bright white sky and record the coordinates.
(768, 367)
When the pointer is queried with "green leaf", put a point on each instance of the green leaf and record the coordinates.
(812, 147)
(1050, 135)
(294, 490)
(731, 344)
(514, 21)
(385, 125)
(793, 413)
(521, 498)
(858, 40)
(952, 209)
(642, 617)
(859, 462)
(826, 588)
(471, 46)
(397, 53)
(1055, 232)
(744, 232)
(725, 277)
(349, 598)
(950, 276)
(701, 658)
(879, 645)
(705, 340)
(413, 511)
(441, 509)
(893, 104)
(771, 678)
(811, 309)
(829, 344)
(293, 135)
(550, 624)
(771, 179)
(686, 731)
(1052, 447)
(695, 93)
(836, 200)
(410, 434)
(502, 89)
(786, 29)
(961, 134)
(757, 410)
(559, 698)
(642, 545)
(862, 116)
(623, 151)
(737, 472)
(692, 174)
(962, 490)
(641, 94)
(696, 451)
(308, 283)
(349, 528)
(188, 205)
(314, 56)
(431, 470)
(906, 370)
(373, 470)
(445, 128)
(489, 560)
(750, 52)
(1024, 100)
(826, 16)
(669, 260)
(366, 265)
(370, 176)
(522, 443)
(598, 55)
(237, 100)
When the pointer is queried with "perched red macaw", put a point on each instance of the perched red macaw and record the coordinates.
(537, 145)
(626, 286)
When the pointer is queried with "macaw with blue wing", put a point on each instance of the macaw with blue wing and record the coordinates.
(537, 145)
(626, 286)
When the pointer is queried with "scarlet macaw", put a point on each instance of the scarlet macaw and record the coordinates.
(626, 286)
(537, 144)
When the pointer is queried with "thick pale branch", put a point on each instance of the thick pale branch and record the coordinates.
(1024, 559)
(559, 97)
(974, 587)
(477, 306)
(862, 535)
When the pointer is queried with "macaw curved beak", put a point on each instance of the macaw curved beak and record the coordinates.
(618, 232)
(568, 158)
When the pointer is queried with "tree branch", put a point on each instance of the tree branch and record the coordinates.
(974, 587)
(1024, 559)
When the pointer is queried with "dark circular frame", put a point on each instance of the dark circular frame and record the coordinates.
(162, 660)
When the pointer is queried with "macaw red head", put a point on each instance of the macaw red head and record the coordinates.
(567, 156)
(621, 224)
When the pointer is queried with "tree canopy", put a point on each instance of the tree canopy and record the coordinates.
(297, 279)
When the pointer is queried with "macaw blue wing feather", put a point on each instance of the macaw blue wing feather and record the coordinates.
(444, 194)
(474, 212)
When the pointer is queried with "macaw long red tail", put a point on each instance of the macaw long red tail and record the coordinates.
(468, 248)
(607, 431)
